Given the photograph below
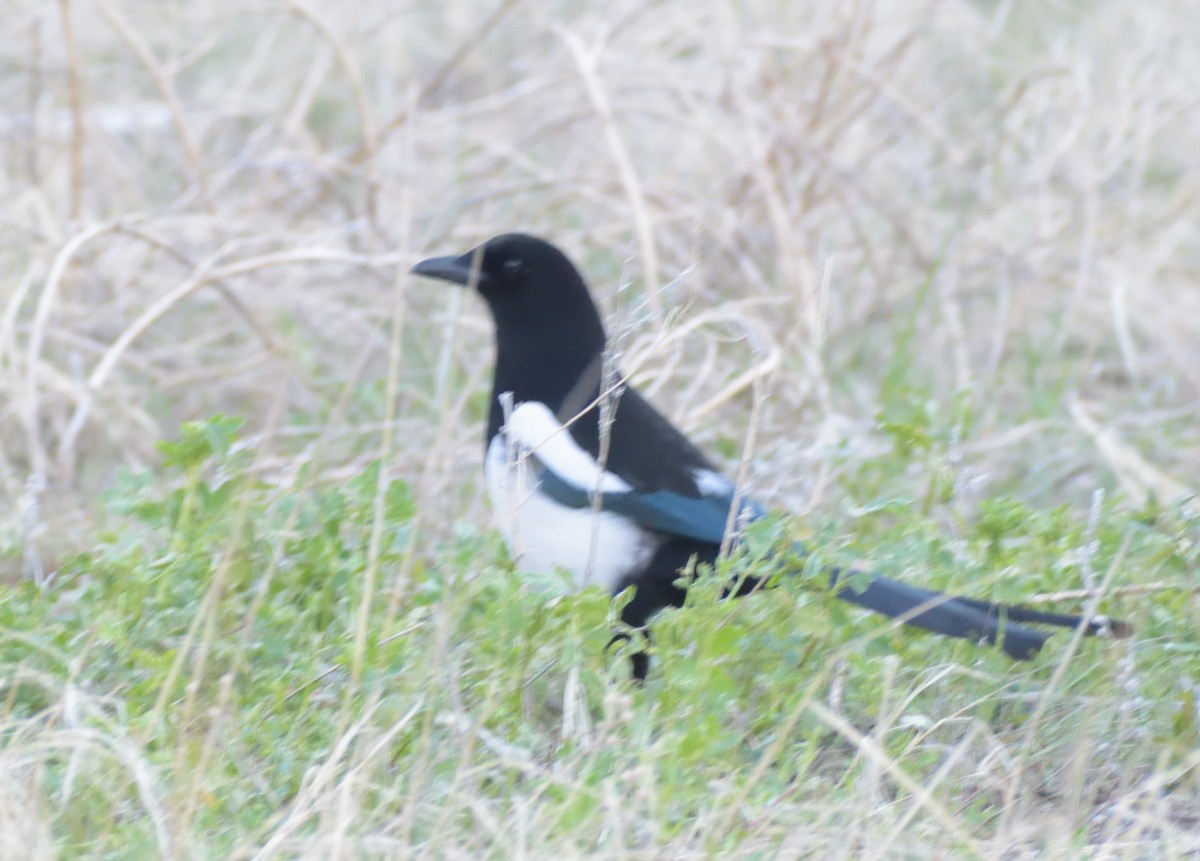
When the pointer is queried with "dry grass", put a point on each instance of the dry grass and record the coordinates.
(212, 207)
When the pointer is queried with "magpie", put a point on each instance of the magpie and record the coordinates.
(586, 477)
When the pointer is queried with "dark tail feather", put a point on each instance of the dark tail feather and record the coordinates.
(1097, 626)
(953, 616)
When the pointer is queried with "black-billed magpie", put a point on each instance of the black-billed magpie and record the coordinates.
(587, 477)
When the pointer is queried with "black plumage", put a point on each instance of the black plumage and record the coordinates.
(628, 497)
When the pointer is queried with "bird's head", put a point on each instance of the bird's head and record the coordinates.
(512, 269)
(548, 331)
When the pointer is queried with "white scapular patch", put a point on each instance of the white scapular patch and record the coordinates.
(534, 428)
(595, 547)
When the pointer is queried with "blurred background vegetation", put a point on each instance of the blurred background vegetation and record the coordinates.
(932, 270)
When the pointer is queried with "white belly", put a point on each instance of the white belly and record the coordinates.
(544, 537)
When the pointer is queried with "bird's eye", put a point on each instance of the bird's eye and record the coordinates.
(513, 267)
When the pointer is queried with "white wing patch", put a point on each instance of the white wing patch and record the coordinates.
(711, 483)
(595, 547)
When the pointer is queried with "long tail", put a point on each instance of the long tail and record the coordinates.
(968, 618)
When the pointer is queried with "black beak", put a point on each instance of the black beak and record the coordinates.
(463, 269)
